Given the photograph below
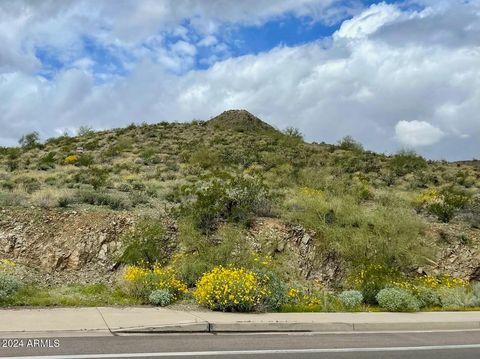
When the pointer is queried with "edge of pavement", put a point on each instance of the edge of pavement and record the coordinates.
(143, 320)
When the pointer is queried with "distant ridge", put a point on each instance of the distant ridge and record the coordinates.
(240, 120)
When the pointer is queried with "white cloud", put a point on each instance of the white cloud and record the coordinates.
(383, 66)
(417, 133)
(208, 41)
(184, 48)
(368, 21)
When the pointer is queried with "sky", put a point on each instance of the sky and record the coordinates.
(393, 74)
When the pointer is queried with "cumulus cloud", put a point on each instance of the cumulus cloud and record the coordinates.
(383, 66)
(417, 133)
(369, 21)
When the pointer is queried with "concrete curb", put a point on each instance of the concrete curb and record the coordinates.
(257, 327)
(202, 327)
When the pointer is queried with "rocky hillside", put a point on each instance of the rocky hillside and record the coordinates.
(227, 190)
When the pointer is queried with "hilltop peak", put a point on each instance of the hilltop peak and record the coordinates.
(241, 120)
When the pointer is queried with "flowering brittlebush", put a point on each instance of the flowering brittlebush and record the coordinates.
(141, 281)
(444, 280)
(231, 289)
(72, 159)
(6, 266)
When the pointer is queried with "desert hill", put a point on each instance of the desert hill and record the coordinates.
(228, 190)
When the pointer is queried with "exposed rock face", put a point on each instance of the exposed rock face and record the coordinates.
(53, 241)
(296, 246)
(58, 246)
(459, 253)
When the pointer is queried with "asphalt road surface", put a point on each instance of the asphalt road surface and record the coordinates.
(404, 345)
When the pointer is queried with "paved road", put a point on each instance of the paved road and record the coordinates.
(435, 345)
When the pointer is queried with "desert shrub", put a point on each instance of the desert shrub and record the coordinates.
(147, 242)
(278, 294)
(30, 140)
(8, 283)
(293, 133)
(161, 297)
(204, 157)
(231, 289)
(48, 198)
(230, 199)
(71, 159)
(351, 298)
(7, 266)
(448, 204)
(46, 162)
(95, 176)
(440, 281)
(29, 184)
(397, 300)
(372, 279)
(348, 143)
(150, 156)
(7, 185)
(65, 200)
(457, 298)
(302, 299)
(443, 204)
(476, 289)
(140, 282)
(14, 198)
(85, 160)
(85, 131)
(13, 155)
(427, 296)
(200, 253)
(406, 161)
(95, 198)
(8, 286)
(471, 214)
(388, 233)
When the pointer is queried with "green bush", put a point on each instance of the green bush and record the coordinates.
(95, 198)
(65, 201)
(372, 279)
(351, 298)
(405, 162)
(427, 297)
(397, 300)
(449, 201)
(30, 184)
(30, 140)
(161, 297)
(148, 243)
(386, 232)
(349, 144)
(229, 199)
(8, 286)
(13, 155)
(95, 176)
(47, 162)
(200, 253)
(85, 160)
(140, 282)
(294, 133)
(476, 290)
(276, 287)
(457, 298)
(205, 158)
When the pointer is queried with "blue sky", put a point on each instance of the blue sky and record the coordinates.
(393, 74)
(287, 29)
